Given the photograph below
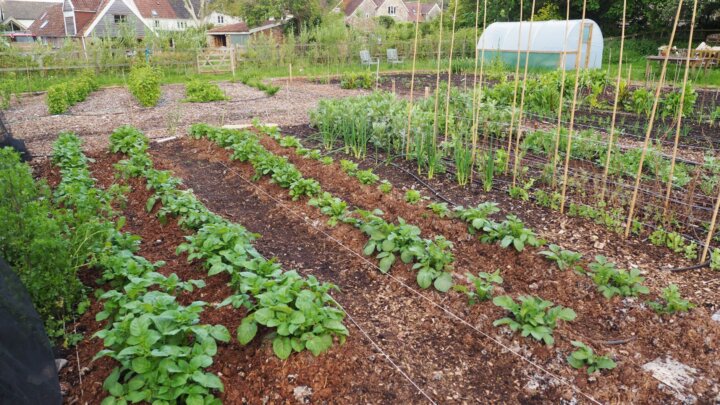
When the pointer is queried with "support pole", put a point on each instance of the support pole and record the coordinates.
(408, 133)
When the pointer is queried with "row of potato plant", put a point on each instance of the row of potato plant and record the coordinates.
(387, 241)
(533, 316)
(160, 347)
(299, 310)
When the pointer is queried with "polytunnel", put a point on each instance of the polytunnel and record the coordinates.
(544, 43)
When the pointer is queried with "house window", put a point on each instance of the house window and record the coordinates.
(221, 19)
(120, 18)
(156, 23)
(392, 10)
(182, 24)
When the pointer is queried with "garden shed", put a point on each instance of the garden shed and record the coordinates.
(546, 41)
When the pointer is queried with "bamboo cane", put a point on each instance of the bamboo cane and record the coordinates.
(680, 112)
(408, 138)
(522, 97)
(712, 229)
(633, 201)
(449, 80)
(568, 150)
(615, 106)
(476, 94)
(563, 75)
(517, 74)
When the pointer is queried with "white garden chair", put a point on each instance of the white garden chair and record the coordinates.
(392, 56)
(366, 59)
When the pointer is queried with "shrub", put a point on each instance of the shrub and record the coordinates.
(197, 91)
(144, 84)
(62, 96)
(35, 243)
(362, 80)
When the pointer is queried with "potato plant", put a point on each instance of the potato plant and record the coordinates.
(585, 357)
(671, 302)
(481, 286)
(612, 281)
(532, 316)
(565, 259)
(144, 84)
(198, 91)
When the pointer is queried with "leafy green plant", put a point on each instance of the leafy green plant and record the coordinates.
(432, 262)
(331, 206)
(440, 209)
(326, 160)
(304, 187)
(385, 187)
(565, 259)
(412, 196)
(513, 232)
(715, 259)
(349, 167)
(482, 286)
(361, 80)
(144, 84)
(612, 281)
(367, 176)
(478, 217)
(673, 302)
(198, 91)
(584, 356)
(532, 316)
(388, 239)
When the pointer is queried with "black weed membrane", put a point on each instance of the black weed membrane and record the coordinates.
(6, 139)
(27, 365)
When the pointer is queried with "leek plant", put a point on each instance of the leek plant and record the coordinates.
(463, 161)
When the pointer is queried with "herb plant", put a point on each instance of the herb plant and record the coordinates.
(412, 196)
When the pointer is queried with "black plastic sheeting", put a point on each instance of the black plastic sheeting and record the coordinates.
(6, 139)
(27, 365)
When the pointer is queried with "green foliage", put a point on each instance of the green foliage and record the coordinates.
(432, 261)
(440, 209)
(412, 196)
(533, 316)
(673, 302)
(268, 89)
(144, 84)
(612, 281)
(6, 90)
(367, 177)
(197, 91)
(513, 232)
(37, 243)
(62, 96)
(348, 166)
(478, 217)
(330, 206)
(640, 102)
(565, 259)
(715, 259)
(584, 356)
(385, 187)
(482, 286)
(361, 80)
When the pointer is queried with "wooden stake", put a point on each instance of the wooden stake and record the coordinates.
(393, 86)
(517, 77)
(449, 82)
(633, 201)
(562, 97)
(615, 106)
(408, 133)
(522, 97)
(680, 113)
(476, 94)
(427, 92)
(711, 232)
(437, 76)
(568, 150)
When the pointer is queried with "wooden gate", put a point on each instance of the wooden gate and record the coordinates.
(216, 60)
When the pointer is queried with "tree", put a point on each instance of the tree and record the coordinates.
(255, 12)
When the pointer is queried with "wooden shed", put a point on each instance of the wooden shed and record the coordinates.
(238, 34)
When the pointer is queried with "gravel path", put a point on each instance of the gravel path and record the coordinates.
(104, 110)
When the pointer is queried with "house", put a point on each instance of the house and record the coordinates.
(360, 11)
(81, 19)
(16, 15)
(239, 34)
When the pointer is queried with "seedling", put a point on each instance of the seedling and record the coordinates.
(565, 259)
(348, 167)
(412, 196)
(385, 187)
(326, 160)
(612, 281)
(673, 302)
(367, 176)
(533, 316)
(512, 231)
(440, 209)
(483, 286)
(477, 218)
(584, 356)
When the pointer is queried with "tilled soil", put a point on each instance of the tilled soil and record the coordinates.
(688, 338)
(109, 108)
